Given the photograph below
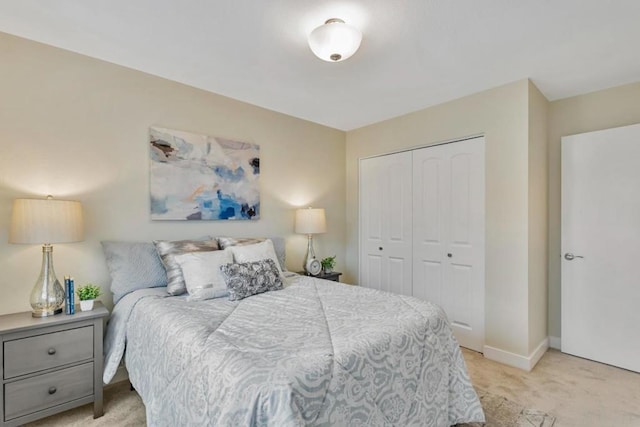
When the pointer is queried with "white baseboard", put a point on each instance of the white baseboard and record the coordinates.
(516, 360)
(555, 343)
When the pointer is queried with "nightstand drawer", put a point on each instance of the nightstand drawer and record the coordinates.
(44, 391)
(27, 355)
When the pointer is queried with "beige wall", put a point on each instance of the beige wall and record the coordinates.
(76, 127)
(619, 106)
(538, 172)
(501, 114)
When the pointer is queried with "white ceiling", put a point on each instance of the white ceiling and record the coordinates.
(414, 53)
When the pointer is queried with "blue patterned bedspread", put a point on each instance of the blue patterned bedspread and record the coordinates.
(315, 353)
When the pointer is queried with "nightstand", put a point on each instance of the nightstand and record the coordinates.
(334, 275)
(50, 364)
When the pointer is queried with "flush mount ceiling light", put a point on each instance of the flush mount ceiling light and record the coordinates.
(335, 41)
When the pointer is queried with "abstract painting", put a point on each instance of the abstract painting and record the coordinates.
(200, 177)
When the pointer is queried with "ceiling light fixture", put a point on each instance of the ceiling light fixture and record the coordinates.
(335, 41)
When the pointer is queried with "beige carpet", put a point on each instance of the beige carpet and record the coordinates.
(578, 392)
(123, 408)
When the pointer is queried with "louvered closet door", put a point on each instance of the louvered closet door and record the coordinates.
(386, 226)
(448, 239)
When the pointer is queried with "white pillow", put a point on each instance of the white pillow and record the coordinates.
(256, 252)
(202, 275)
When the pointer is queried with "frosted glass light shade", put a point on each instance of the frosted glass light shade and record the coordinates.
(335, 41)
(310, 221)
(39, 221)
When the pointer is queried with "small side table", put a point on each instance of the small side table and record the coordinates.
(50, 364)
(333, 276)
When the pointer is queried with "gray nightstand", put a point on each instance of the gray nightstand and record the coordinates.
(50, 364)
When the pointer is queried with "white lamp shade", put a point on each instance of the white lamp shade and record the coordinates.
(310, 221)
(40, 221)
(335, 41)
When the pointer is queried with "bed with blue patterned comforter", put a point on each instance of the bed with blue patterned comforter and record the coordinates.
(316, 353)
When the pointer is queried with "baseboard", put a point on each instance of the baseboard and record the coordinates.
(555, 343)
(516, 360)
(121, 375)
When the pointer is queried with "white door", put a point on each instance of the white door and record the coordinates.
(448, 242)
(601, 246)
(385, 221)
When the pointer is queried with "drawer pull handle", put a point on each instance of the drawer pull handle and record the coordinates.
(52, 390)
(51, 351)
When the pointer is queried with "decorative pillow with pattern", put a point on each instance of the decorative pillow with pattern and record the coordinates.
(202, 275)
(168, 251)
(251, 278)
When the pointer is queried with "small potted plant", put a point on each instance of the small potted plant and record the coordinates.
(328, 263)
(87, 295)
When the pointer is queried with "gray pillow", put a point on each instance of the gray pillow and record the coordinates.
(278, 244)
(133, 266)
(168, 250)
(251, 278)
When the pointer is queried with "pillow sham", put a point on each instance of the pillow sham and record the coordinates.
(168, 251)
(202, 275)
(133, 266)
(279, 245)
(251, 278)
(256, 252)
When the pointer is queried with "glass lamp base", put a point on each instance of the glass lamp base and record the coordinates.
(46, 313)
(47, 296)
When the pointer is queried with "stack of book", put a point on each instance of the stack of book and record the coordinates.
(70, 305)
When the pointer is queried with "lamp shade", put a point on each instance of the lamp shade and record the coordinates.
(310, 221)
(40, 221)
(335, 41)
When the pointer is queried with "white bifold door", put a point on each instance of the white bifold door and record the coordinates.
(386, 223)
(448, 234)
(601, 246)
(422, 230)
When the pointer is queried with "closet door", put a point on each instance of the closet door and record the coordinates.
(385, 223)
(448, 240)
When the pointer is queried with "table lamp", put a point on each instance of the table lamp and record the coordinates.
(46, 221)
(310, 221)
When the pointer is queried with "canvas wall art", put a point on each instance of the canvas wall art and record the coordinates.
(200, 177)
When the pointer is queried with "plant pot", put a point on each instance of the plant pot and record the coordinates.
(87, 305)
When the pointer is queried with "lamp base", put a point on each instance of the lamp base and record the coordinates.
(310, 252)
(46, 313)
(47, 296)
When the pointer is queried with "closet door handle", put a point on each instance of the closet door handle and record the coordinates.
(379, 248)
(450, 255)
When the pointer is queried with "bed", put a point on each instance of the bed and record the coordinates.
(314, 353)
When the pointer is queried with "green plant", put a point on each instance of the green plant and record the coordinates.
(88, 291)
(328, 263)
